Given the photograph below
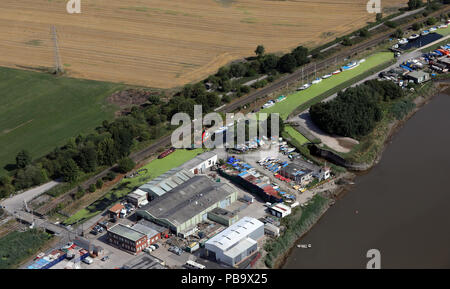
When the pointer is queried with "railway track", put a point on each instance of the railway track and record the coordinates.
(274, 87)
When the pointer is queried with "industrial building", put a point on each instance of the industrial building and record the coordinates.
(222, 216)
(152, 235)
(253, 182)
(200, 163)
(163, 231)
(188, 204)
(298, 173)
(138, 198)
(176, 176)
(279, 210)
(166, 182)
(324, 173)
(418, 76)
(271, 230)
(127, 238)
(114, 211)
(237, 242)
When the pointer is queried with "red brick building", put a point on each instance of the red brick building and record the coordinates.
(127, 238)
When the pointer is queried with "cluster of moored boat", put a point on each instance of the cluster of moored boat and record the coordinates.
(415, 36)
(349, 66)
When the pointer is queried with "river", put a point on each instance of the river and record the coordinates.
(400, 207)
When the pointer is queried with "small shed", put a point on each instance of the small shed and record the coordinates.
(418, 76)
(115, 210)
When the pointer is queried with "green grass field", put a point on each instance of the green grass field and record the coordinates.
(154, 169)
(294, 100)
(301, 139)
(443, 31)
(18, 246)
(39, 111)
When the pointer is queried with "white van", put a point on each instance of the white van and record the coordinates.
(88, 260)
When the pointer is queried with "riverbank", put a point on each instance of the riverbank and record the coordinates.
(420, 100)
(368, 152)
(390, 208)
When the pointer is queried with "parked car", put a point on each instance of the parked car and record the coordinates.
(104, 259)
(104, 224)
(175, 250)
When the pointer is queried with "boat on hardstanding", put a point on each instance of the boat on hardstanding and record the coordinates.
(305, 86)
(403, 41)
(350, 65)
(336, 72)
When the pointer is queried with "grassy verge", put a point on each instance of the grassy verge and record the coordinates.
(18, 246)
(41, 111)
(296, 225)
(304, 150)
(328, 87)
(293, 133)
(152, 170)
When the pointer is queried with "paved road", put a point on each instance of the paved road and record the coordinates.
(274, 87)
(15, 203)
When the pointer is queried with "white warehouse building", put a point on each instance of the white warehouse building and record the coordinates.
(200, 163)
(237, 242)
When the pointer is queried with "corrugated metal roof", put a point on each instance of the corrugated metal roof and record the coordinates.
(242, 246)
(126, 232)
(235, 233)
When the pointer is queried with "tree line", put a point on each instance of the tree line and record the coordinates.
(112, 142)
(355, 111)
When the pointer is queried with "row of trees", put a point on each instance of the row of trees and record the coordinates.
(113, 142)
(262, 64)
(110, 143)
(355, 111)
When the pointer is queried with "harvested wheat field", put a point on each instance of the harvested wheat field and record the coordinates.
(167, 43)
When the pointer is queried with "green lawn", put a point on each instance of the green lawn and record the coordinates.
(40, 111)
(154, 169)
(443, 31)
(296, 99)
(301, 139)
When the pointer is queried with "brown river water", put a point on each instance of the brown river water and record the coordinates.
(400, 207)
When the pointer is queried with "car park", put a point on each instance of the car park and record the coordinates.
(176, 250)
